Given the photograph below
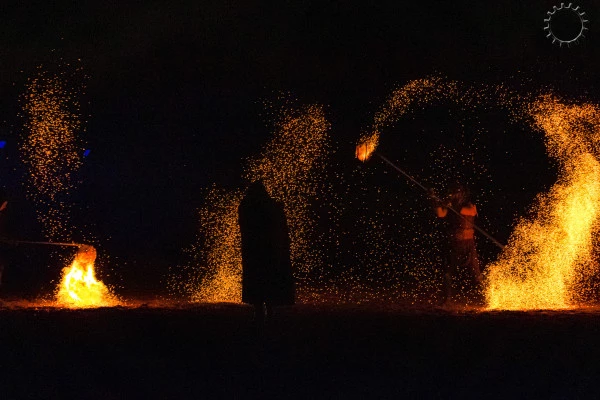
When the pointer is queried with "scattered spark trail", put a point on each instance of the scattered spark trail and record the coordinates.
(52, 153)
(218, 250)
(290, 166)
(546, 254)
(50, 150)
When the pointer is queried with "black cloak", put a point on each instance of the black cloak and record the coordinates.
(266, 264)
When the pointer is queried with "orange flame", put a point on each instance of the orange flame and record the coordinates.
(79, 287)
(366, 146)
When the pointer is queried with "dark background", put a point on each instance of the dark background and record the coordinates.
(174, 95)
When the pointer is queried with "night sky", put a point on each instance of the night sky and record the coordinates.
(175, 89)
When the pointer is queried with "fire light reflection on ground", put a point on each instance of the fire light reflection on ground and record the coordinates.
(239, 310)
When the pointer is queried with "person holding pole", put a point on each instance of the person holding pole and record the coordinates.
(462, 262)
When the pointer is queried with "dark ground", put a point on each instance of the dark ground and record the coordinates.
(215, 351)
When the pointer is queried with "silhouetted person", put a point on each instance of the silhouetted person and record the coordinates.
(462, 263)
(267, 279)
(3, 233)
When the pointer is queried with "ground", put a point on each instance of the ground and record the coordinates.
(213, 351)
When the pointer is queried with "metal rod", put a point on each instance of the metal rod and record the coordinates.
(413, 180)
(41, 243)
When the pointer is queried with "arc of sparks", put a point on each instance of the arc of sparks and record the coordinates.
(364, 151)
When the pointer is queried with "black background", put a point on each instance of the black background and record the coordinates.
(174, 94)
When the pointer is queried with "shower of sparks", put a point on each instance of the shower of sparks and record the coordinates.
(79, 287)
(50, 150)
(52, 153)
(549, 255)
(376, 242)
(289, 165)
(218, 251)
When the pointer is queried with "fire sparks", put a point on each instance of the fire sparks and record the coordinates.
(50, 149)
(289, 166)
(381, 247)
(550, 255)
(79, 287)
(546, 254)
(52, 152)
(398, 104)
(221, 242)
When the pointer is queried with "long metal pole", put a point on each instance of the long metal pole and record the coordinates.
(41, 243)
(413, 180)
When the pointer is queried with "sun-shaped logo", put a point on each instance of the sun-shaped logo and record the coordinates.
(566, 24)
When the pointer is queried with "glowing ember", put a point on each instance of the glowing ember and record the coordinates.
(546, 254)
(367, 146)
(79, 287)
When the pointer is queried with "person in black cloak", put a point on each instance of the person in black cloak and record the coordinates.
(462, 261)
(267, 278)
(3, 233)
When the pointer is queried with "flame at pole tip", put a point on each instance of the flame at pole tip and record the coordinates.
(366, 146)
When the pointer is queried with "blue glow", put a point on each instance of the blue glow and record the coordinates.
(86, 153)
(2, 144)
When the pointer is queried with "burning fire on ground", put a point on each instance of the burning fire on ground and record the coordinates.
(79, 287)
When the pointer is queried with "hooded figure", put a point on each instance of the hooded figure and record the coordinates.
(266, 266)
(3, 233)
(3, 206)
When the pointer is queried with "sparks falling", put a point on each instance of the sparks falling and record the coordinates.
(289, 165)
(221, 258)
(383, 251)
(52, 152)
(549, 256)
(546, 254)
